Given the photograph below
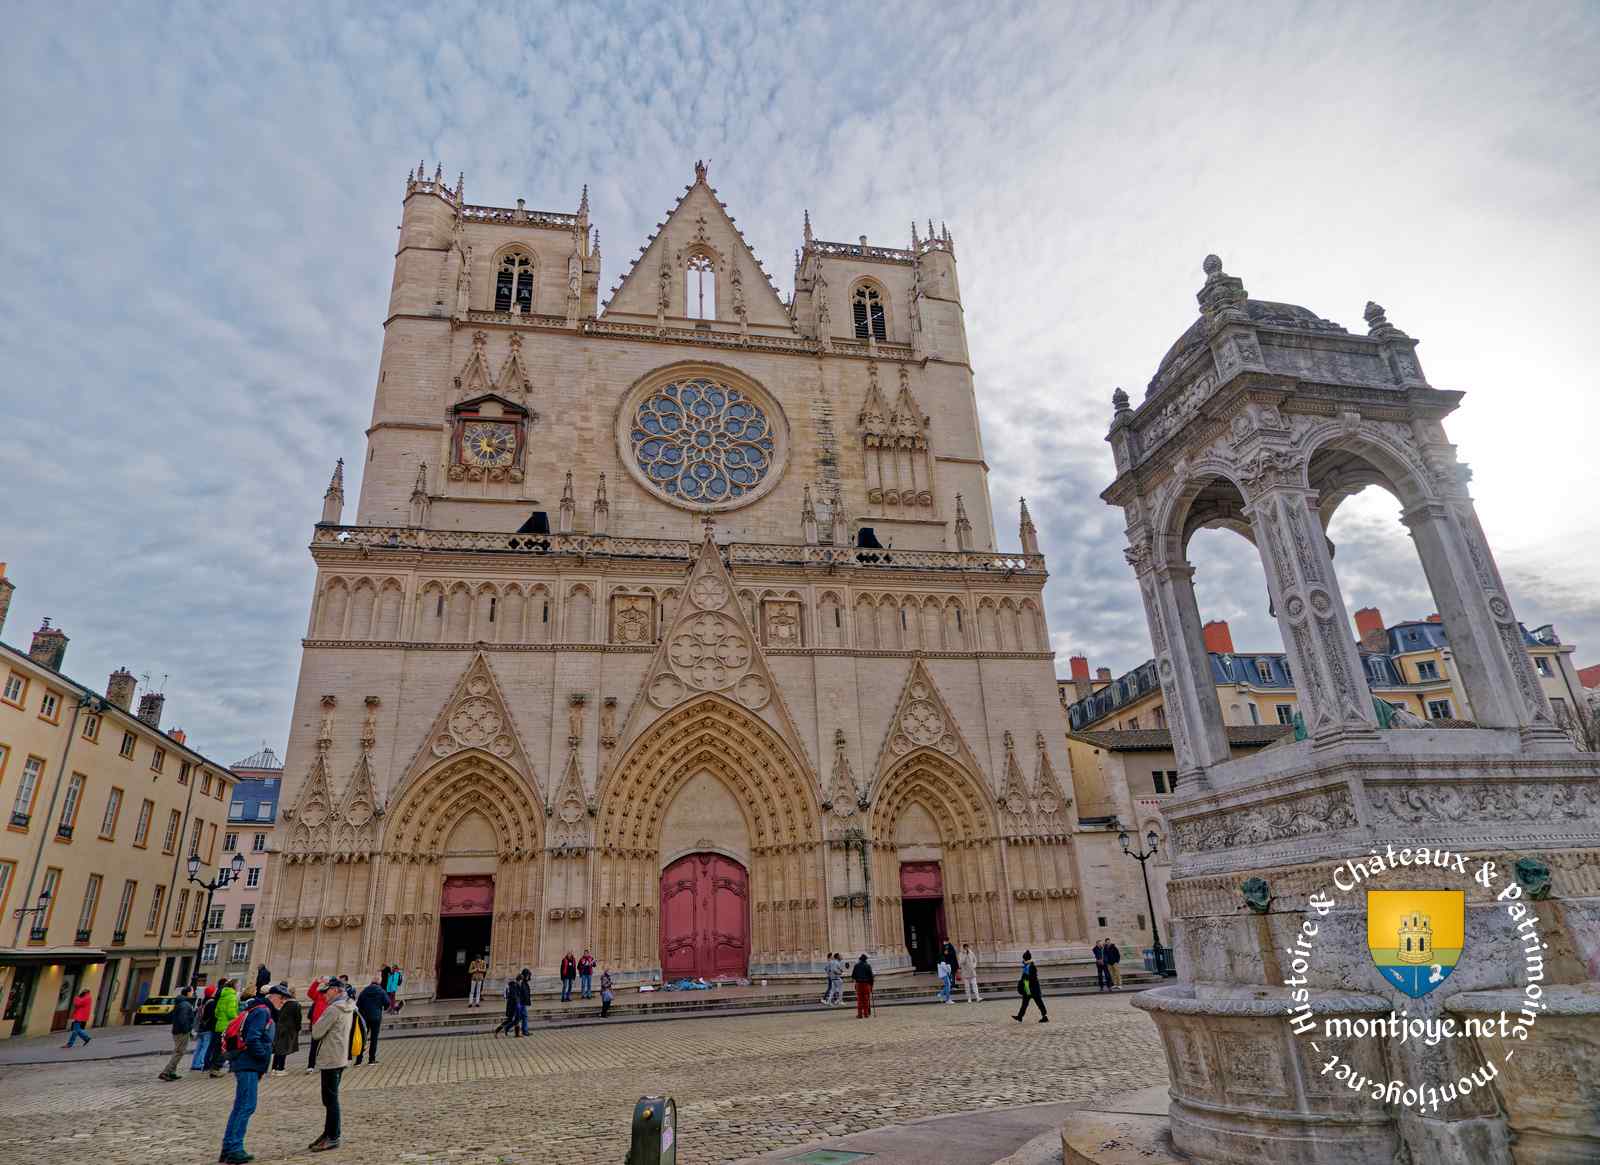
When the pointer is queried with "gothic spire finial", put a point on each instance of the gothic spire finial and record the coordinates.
(916, 242)
(336, 482)
(1025, 528)
(699, 170)
(438, 174)
(963, 525)
(583, 203)
(461, 185)
(566, 489)
(333, 499)
(1222, 292)
(421, 486)
(808, 226)
(1119, 401)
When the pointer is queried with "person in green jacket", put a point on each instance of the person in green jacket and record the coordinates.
(227, 1008)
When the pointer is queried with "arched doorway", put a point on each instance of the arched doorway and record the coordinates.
(705, 918)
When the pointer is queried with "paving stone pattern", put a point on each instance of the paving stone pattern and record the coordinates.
(744, 1085)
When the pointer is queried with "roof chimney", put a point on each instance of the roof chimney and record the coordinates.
(1370, 631)
(1080, 667)
(119, 688)
(1218, 637)
(179, 735)
(6, 587)
(49, 646)
(1435, 618)
(150, 705)
(1103, 673)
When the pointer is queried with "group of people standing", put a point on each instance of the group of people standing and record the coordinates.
(1107, 966)
(575, 970)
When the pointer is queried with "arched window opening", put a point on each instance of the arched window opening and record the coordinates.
(868, 309)
(513, 284)
(700, 288)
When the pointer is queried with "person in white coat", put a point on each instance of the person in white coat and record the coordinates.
(332, 1033)
(969, 973)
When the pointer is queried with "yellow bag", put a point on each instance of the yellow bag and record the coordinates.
(358, 1036)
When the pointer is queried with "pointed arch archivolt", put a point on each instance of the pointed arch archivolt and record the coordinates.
(435, 800)
(775, 791)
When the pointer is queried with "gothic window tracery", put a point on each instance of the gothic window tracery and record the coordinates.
(703, 442)
(513, 282)
(867, 309)
(700, 288)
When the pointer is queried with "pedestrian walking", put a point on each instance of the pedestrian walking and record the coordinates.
(835, 972)
(508, 1025)
(569, 974)
(372, 1003)
(477, 972)
(204, 1029)
(1028, 988)
(946, 974)
(249, 1059)
(286, 1041)
(332, 1032)
(969, 973)
(840, 968)
(606, 995)
(182, 1028)
(263, 978)
(82, 1010)
(586, 974)
(227, 1008)
(1114, 964)
(861, 974)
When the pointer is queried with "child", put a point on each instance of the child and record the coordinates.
(606, 995)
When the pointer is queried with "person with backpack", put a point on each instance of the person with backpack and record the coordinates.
(586, 974)
(1028, 988)
(247, 1043)
(861, 974)
(606, 995)
(334, 1030)
(227, 1009)
(205, 1025)
(82, 1010)
(569, 973)
(372, 1003)
(182, 1028)
(1114, 964)
(287, 1040)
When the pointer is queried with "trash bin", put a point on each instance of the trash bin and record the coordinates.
(655, 1132)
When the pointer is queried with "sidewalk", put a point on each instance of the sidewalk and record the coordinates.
(982, 1137)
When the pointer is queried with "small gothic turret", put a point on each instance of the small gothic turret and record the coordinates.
(568, 506)
(333, 499)
(963, 526)
(419, 496)
(602, 508)
(1030, 536)
(808, 518)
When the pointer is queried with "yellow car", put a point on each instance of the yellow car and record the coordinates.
(155, 1009)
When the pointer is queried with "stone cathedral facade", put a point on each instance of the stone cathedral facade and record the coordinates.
(672, 626)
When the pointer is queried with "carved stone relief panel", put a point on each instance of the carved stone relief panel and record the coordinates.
(633, 619)
(780, 622)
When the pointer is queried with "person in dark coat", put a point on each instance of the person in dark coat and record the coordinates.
(1028, 988)
(948, 954)
(513, 1003)
(287, 1040)
(1114, 964)
(248, 1064)
(861, 975)
(372, 1003)
(182, 1027)
(569, 973)
(263, 979)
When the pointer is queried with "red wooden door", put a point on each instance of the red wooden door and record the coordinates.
(705, 918)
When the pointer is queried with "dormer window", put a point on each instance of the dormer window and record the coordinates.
(513, 284)
(869, 317)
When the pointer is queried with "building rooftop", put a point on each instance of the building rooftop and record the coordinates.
(262, 761)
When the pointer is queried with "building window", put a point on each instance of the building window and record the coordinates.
(128, 741)
(199, 909)
(1159, 778)
(247, 918)
(222, 789)
(7, 870)
(1542, 662)
(1438, 709)
(52, 885)
(1255, 714)
(183, 773)
(205, 785)
(214, 919)
(252, 877)
(1172, 780)
(258, 844)
(513, 283)
(230, 842)
(236, 810)
(158, 759)
(867, 309)
(1264, 671)
(15, 690)
(208, 953)
(1285, 713)
(183, 905)
(119, 929)
(263, 810)
(69, 806)
(141, 829)
(108, 822)
(50, 707)
(241, 952)
(91, 727)
(91, 902)
(170, 841)
(700, 289)
(1427, 669)
(1101, 919)
(154, 920)
(22, 807)
(194, 837)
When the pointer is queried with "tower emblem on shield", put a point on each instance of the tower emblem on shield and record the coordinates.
(1416, 936)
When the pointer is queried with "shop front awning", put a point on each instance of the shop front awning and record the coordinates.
(45, 956)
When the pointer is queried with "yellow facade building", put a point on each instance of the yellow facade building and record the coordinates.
(101, 810)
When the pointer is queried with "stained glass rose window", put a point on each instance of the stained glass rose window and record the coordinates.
(701, 442)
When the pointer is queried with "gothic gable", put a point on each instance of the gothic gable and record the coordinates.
(476, 716)
(923, 719)
(570, 807)
(1014, 796)
(844, 793)
(359, 810)
(475, 379)
(311, 817)
(1048, 796)
(514, 382)
(698, 224)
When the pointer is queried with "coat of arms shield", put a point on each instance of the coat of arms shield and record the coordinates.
(1416, 937)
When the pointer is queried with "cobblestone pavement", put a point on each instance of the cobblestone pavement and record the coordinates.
(744, 1086)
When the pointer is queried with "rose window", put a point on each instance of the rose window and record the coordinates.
(701, 442)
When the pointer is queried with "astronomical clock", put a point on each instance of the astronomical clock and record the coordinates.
(488, 439)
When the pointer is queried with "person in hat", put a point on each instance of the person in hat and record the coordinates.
(287, 1040)
(861, 974)
(332, 1035)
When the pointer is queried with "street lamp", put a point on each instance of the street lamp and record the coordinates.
(1152, 843)
(38, 912)
(232, 873)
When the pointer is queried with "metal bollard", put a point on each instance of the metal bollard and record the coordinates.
(655, 1132)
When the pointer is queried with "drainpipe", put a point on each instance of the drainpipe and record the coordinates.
(85, 699)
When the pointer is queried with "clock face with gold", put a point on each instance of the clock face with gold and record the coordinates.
(488, 444)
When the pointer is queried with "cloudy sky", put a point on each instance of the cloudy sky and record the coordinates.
(203, 203)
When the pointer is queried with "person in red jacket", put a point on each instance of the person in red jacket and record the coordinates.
(82, 1009)
(569, 973)
(318, 1005)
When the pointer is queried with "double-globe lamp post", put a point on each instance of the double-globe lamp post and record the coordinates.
(227, 876)
(1152, 843)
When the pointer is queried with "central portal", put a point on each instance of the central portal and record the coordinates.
(705, 918)
(922, 908)
(466, 921)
